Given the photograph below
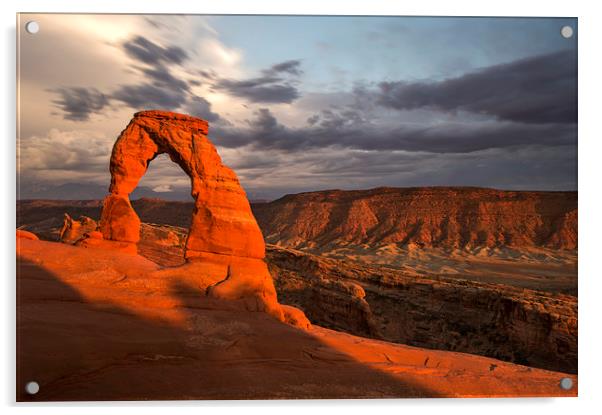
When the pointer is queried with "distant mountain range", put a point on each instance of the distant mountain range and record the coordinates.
(89, 191)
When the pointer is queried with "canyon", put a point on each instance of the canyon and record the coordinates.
(529, 327)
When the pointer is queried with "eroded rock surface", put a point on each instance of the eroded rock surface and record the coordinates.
(524, 326)
(222, 222)
(223, 236)
(503, 302)
(75, 229)
(480, 311)
(26, 235)
(426, 217)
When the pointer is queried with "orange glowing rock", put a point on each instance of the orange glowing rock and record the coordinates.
(26, 235)
(95, 240)
(74, 229)
(94, 235)
(295, 317)
(222, 221)
(223, 235)
(119, 221)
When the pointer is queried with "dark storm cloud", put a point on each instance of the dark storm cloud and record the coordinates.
(347, 129)
(210, 74)
(541, 89)
(531, 167)
(78, 103)
(161, 89)
(146, 96)
(292, 67)
(273, 87)
(146, 51)
(264, 89)
(526, 168)
(335, 120)
(162, 77)
(200, 107)
(313, 119)
(466, 138)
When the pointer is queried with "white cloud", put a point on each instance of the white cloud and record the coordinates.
(64, 148)
(164, 188)
(65, 155)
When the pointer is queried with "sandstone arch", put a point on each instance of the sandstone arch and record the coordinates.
(222, 221)
(224, 247)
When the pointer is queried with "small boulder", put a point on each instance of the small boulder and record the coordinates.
(295, 317)
(73, 230)
(26, 235)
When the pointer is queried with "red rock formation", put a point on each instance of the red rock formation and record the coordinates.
(427, 217)
(26, 235)
(222, 221)
(331, 299)
(162, 235)
(118, 221)
(45, 218)
(73, 230)
(223, 236)
(445, 217)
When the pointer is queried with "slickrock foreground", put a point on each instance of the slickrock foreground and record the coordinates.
(106, 325)
(26, 235)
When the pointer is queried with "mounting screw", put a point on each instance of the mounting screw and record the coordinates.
(32, 388)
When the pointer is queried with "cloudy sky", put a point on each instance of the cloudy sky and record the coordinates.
(304, 103)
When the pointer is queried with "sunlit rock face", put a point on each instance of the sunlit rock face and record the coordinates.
(450, 218)
(222, 222)
(74, 229)
(224, 239)
(26, 235)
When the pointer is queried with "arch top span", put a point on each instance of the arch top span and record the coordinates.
(185, 121)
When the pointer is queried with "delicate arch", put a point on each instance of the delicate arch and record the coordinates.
(222, 221)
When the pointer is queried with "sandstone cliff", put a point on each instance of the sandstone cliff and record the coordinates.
(442, 217)
(423, 217)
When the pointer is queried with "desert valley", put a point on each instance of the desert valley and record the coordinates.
(386, 292)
